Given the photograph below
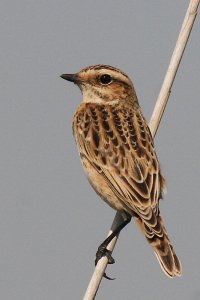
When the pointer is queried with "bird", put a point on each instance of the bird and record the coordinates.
(119, 159)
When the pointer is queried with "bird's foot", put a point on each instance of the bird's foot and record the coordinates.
(101, 252)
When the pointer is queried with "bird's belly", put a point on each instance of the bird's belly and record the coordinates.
(102, 188)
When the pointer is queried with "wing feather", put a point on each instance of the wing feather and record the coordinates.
(119, 145)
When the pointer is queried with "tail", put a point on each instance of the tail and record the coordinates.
(159, 241)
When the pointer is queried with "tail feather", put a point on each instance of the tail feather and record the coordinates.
(167, 257)
(162, 247)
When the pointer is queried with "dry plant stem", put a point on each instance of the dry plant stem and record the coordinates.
(102, 263)
(153, 124)
(173, 66)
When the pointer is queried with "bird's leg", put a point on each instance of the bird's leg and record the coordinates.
(102, 249)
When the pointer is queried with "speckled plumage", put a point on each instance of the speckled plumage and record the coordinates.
(118, 155)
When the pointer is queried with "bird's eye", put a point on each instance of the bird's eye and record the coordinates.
(105, 79)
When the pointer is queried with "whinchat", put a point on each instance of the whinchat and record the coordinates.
(118, 155)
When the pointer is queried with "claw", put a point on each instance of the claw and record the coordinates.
(109, 278)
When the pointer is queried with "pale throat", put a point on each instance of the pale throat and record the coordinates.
(98, 96)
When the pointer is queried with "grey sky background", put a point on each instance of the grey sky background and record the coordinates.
(51, 221)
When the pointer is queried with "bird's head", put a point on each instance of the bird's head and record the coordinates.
(104, 85)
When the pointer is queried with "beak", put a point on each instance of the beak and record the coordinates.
(70, 77)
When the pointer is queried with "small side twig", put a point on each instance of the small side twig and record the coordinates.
(153, 124)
